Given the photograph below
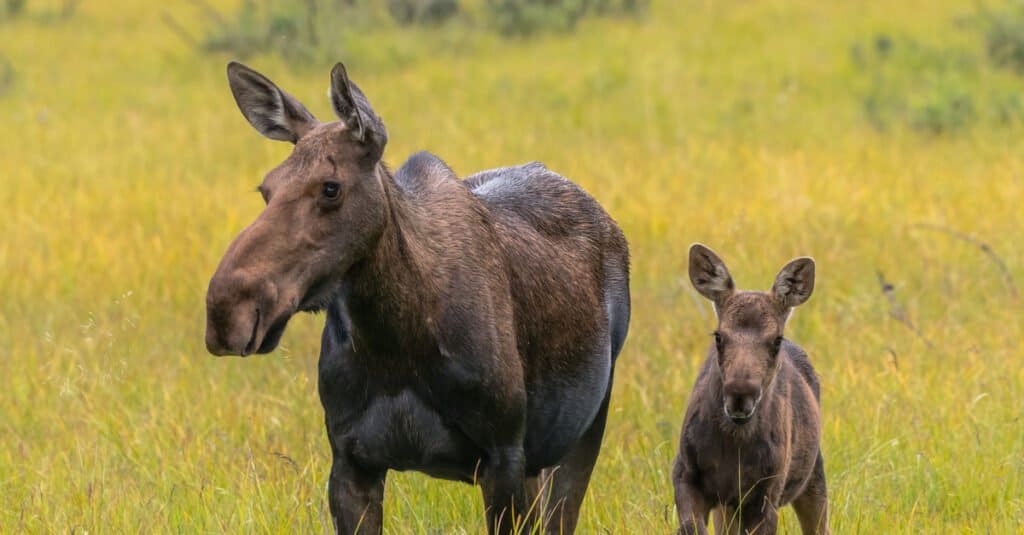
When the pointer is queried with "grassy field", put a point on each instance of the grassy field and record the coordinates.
(127, 170)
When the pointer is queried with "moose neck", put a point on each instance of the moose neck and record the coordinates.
(390, 290)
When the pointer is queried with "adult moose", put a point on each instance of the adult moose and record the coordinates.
(750, 439)
(472, 325)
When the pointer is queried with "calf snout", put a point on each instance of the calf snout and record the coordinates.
(741, 399)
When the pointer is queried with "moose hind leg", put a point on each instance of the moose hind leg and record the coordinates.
(567, 482)
(504, 488)
(812, 506)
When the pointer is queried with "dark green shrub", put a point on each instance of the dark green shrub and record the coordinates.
(944, 111)
(619, 7)
(242, 37)
(428, 12)
(7, 76)
(323, 30)
(518, 18)
(287, 28)
(1004, 37)
(11, 8)
(1009, 109)
(927, 88)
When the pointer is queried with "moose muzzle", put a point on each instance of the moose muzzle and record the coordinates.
(241, 315)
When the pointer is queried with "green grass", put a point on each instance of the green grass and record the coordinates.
(127, 170)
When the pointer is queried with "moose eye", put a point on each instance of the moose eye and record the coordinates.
(332, 190)
(776, 344)
(718, 338)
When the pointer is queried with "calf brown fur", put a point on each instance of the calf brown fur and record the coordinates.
(750, 441)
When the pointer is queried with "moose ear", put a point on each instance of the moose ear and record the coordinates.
(354, 111)
(274, 113)
(794, 283)
(709, 275)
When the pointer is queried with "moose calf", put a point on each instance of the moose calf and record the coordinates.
(750, 439)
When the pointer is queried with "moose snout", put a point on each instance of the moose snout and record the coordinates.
(235, 320)
(741, 399)
(232, 335)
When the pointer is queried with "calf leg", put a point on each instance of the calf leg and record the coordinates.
(761, 522)
(504, 490)
(762, 519)
(568, 481)
(691, 507)
(725, 521)
(812, 506)
(356, 498)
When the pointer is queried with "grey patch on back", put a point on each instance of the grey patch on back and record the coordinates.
(494, 181)
(423, 170)
(547, 201)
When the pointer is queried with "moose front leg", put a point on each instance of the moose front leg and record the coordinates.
(503, 483)
(356, 498)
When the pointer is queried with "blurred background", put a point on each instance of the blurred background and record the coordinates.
(882, 138)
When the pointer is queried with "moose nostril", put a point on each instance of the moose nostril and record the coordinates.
(231, 321)
(250, 346)
(741, 407)
(739, 404)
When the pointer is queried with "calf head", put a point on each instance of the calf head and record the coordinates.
(325, 207)
(750, 324)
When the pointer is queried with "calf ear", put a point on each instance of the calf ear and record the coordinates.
(794, 283)
(709, 275)
(274, 113)
(354, 111)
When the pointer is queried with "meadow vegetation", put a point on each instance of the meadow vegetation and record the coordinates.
(867, 135)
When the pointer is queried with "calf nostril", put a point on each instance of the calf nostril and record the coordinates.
(740, 407)
(739, 404)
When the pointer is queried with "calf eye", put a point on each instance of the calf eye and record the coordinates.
(776, 344)
(718, 339)
(332, 190)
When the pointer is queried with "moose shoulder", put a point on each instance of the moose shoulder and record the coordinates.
(472, 325)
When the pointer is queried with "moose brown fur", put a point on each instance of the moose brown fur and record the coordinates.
(750, 441)
(472, 325)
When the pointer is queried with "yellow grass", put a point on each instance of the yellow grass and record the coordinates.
(127, 170)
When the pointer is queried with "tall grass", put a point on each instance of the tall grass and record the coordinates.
(127, 171)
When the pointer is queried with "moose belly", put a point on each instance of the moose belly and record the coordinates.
(559, 414)
(401, 432)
